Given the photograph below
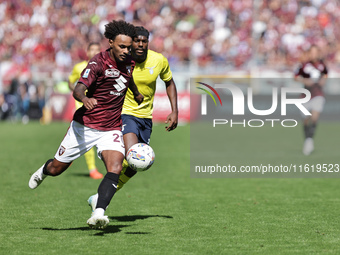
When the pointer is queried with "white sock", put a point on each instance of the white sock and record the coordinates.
(99, 212)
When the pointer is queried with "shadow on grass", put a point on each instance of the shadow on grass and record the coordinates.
(111, 229)
(99, 232)
(132, 218)
(137, 233)
(80, 174)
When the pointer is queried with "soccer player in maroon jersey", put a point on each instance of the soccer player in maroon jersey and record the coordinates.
(313, 74)
(98, 122)
(137, 120)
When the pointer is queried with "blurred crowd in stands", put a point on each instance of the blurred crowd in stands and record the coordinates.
(48, 36)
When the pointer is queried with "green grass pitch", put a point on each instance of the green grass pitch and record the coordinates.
(161, 211)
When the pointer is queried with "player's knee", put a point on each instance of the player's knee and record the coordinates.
(115, 168)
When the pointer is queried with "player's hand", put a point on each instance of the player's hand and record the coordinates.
(139, 99)
(172, 121)
(89, 103)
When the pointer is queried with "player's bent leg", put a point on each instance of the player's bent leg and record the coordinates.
(310, 127)
(38, 176)
(124, 165)
(306, 122)
(92, 200)
(113, 162)
(52, 167)
(315, 117)
(316, 107)
(129, 140)
(309, 142)
(56, 167)
(127, 173)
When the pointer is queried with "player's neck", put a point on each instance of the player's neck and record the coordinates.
(141, 60)
(112, 56)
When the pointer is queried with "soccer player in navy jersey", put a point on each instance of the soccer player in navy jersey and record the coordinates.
(313, 74)
(98, 122)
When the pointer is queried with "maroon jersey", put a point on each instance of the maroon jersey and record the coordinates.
(314, 71)
(107, 82)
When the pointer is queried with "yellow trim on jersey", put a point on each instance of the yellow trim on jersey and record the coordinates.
(78, 104)
(145, 75)
(75, 75)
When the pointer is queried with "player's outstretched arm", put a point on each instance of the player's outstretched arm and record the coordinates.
(138, 96)
(79, 95)
(172, 119)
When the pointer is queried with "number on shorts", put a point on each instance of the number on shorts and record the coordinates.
(116, 138)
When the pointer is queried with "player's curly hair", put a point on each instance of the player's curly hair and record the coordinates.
(142, 31)
(119, 27)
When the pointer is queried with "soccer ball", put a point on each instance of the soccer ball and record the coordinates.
(140, 157)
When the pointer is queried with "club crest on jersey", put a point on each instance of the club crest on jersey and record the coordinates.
(86, 73)
(112, 73)
(151, 69)
(61, 150)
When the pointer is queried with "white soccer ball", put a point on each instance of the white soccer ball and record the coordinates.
(140, 157)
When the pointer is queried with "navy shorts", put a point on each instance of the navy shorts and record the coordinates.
(139, 126)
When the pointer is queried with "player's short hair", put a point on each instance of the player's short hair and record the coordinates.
(142, 31)
(93, 43)
(119, 27)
